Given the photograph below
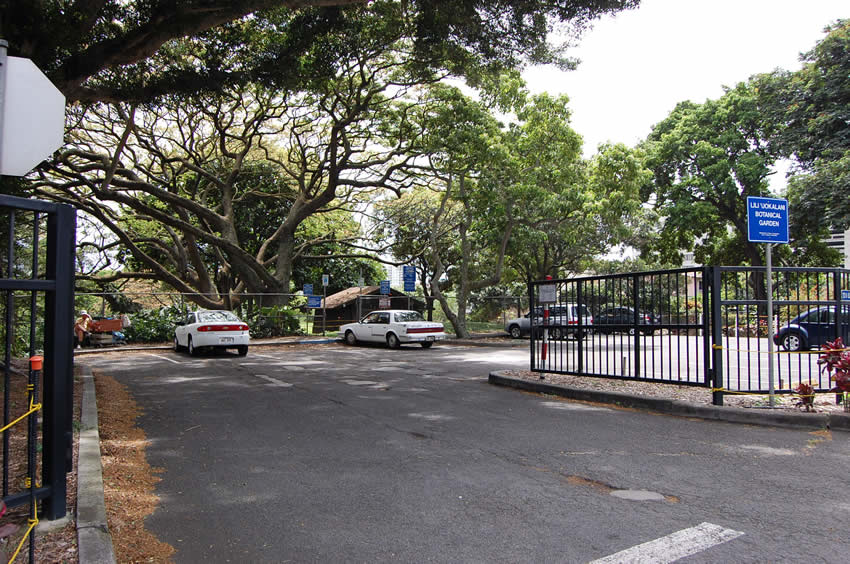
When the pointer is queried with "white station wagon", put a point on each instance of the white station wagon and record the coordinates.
(393, 327)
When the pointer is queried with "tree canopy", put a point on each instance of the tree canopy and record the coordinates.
(137, 50)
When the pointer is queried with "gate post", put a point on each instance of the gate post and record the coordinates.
(531, 340)
(59, 366)
(716, 335)
(636, 323)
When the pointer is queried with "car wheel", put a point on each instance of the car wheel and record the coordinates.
(515, 331)
(426, 344)
(192, 350)
(350, 339)
(556, 334)
(392, 341)
(242, 350)
(177, 347)
(793, 341)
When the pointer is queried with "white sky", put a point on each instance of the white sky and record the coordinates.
(636, 66)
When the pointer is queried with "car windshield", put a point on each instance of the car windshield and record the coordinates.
(210, 316)
(403, 316)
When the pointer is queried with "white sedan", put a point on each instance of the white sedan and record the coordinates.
(393, 327)
(214, 329)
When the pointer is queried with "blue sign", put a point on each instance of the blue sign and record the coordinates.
(325, 279)
(385, 287)
(409, 278)
(845, 295)
(767, 220)
(314, 301)
(308, 289)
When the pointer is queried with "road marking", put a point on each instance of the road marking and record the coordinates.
(165, 358)
(273, 381)
(674, 546)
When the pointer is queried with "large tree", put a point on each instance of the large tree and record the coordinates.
(706, 160)
(217, 186)
(137, 50)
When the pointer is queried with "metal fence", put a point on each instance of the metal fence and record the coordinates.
(37, 285)
(699, 326)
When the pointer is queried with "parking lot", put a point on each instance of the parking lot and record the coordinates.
(331, 453)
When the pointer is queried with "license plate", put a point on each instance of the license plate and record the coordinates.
(429, 338)
(225, 340)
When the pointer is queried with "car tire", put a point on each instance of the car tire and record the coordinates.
(556, 334)
(177, 347)
(515, 331)
(426, 344)
(392, 341)
(350, 339)
(794, 341)
(242, 350)
(191, 347)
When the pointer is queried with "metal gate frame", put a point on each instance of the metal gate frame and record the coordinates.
(57, 287)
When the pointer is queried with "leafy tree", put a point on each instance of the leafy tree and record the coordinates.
(814, 106)
(706, 160)
(140, 50)
(208, 192)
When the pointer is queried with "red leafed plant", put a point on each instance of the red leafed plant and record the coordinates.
(806, 393)
(836, 362)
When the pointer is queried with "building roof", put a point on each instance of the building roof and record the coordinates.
(350, 294)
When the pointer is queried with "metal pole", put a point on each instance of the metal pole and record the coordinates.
(770, 323)
(324, 308)
(4, 45)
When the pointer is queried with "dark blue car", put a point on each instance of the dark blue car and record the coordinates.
(812, 329)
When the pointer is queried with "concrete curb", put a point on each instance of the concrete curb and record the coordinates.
(94, 543)
(831, 421)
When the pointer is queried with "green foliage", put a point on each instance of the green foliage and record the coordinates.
(153, 325)
(273, 321)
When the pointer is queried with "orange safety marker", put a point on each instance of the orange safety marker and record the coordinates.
(36, 362)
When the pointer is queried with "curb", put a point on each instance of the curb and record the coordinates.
(94, 543)
(831, 421)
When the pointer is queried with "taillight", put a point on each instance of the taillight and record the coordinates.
(237, 327)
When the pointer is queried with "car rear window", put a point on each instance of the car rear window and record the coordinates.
(210, 316)
(403, 316)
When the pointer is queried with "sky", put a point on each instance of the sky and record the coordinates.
(636, 66)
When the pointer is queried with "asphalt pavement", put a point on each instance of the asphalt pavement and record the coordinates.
(331, 453)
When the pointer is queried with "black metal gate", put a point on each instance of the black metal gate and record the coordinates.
(37, 296)
(692, 326)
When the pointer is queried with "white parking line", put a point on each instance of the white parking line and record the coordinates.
(674, 546)
(274, 381)
(165, 358)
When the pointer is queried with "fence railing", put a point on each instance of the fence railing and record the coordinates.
(37, 285)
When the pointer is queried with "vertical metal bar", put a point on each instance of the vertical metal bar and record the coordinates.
(32, 436)
(58, 366)
(635, 297)
(770, 355)
(10, 330)
(34, 294)
(531, 327)
(716, 336)
(580, 336)
(707, 318)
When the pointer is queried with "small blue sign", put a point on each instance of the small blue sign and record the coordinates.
(385, 287)
(767, 220)
(845, 295)
(308, 289)
(325, 279)
(314, 301)
(409, 278)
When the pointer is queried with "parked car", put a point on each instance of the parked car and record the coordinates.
(812, 328)
(563, 322)
(213, 329)
(621, 318)
(393, 327)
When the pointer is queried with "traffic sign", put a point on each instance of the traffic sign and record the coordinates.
(325, 279)
(33, 116)
(385, 287)
(314, 301)
(409, 278)
(767, 220)
(308, 289)
(845, 295)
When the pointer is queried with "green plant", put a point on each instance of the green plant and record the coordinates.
(153, 325)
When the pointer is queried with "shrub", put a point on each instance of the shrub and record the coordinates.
(836, 362)
(153, 325)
